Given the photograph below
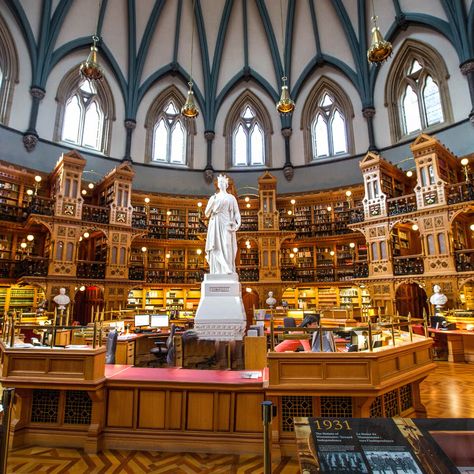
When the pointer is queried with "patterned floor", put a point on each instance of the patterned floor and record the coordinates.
(446, 393)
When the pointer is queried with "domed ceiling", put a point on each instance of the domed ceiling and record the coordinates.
(144, 43)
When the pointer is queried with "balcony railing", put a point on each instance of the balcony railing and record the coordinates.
(139, 220)
(93, 270)
(98, 214)
(10, 213)
(357, 215)
(40, 205)
(31, 266)
(401, 205)
(460, 192)
(6, 268)
(411, 265)
(361, 270)
(464, 260)
(136, 273)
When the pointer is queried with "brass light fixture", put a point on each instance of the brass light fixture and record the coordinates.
(285, 105)
(189, 108)
(90, 69)
(379, 50)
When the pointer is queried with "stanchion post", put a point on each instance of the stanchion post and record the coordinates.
(7, 402)
(267, 440)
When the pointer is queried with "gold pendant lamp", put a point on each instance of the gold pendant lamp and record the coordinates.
(379, 50)
(189, 109)
(90, 68)
(285, 105)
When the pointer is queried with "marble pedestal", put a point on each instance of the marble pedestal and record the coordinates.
(220, 315)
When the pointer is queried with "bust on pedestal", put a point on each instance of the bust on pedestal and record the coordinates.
(271, 301)
(221, 315)
(438, 299)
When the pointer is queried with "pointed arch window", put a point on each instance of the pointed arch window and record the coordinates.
(248, 139)
(169, 134)
(85, 113)
(421, 101)
(328, 128)
(416, 91)
(83, 123)
(9, 70)
(247, 131)
(326, 122)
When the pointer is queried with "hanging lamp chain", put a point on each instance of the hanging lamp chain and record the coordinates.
(190, 83)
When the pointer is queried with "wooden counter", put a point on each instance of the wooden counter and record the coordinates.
(460, 344)
(65, 397)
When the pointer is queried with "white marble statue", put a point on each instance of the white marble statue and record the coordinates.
(224, 221)
(438, 299)
(271, 301)
(62, 300)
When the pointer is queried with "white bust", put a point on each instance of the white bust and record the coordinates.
(271, 301)
(62, 300)
(438, 299)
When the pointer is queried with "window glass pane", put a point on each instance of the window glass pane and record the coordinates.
(160, 142)
(375, 253)
(441, 243)
(240, 146)
(321, 133)
(72, 118)
(256, 146)
(122, 256)
(69, 251)
(338, 134)
(383, 250)
(411, 112)
(171, 109)
(434, 112)
(1, 77)
(326, 101)
(430, 241)
(177, 144)
(59, 250)
(415, 66)
(248, 113)
(92, 127)
(86, 86)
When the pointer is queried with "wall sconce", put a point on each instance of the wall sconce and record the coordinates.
(409, 173)
(29, 192)
(248, 205)
(295, 249)
(247, 199)
(168, 255)
(349, 198)
(86, 235)
(26, 246)
(465, 165)
(332, 253)
(38, 180)
(415, 227)
(90, 185)
(471, 227)
(147, 200)
(199, 251)
(82, 288)
(329, 208)
(144, 249)
(84, 192)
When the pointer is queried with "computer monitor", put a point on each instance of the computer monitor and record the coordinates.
(159, 321)
(142, 320)
(437, 322)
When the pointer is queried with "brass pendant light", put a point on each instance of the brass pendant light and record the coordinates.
(285, 105)
(379, 49)
(90, 69)
(189, 108)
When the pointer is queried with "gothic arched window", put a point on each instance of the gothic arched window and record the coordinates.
(247, 130)
(85, 112)
(327, 122)
(169, 134)
(8, 70)
(416, 91)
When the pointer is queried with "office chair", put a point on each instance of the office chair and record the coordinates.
(289, 322)
(111, 347)
(328, 342)
(163, 347)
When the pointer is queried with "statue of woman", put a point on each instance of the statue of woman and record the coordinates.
(224, 221)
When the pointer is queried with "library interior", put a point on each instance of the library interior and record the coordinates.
(343, 131)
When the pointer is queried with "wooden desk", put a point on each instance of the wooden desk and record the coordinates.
(460, 344)
(134, 349)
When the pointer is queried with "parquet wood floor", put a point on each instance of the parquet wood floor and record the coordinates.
(446, 393)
